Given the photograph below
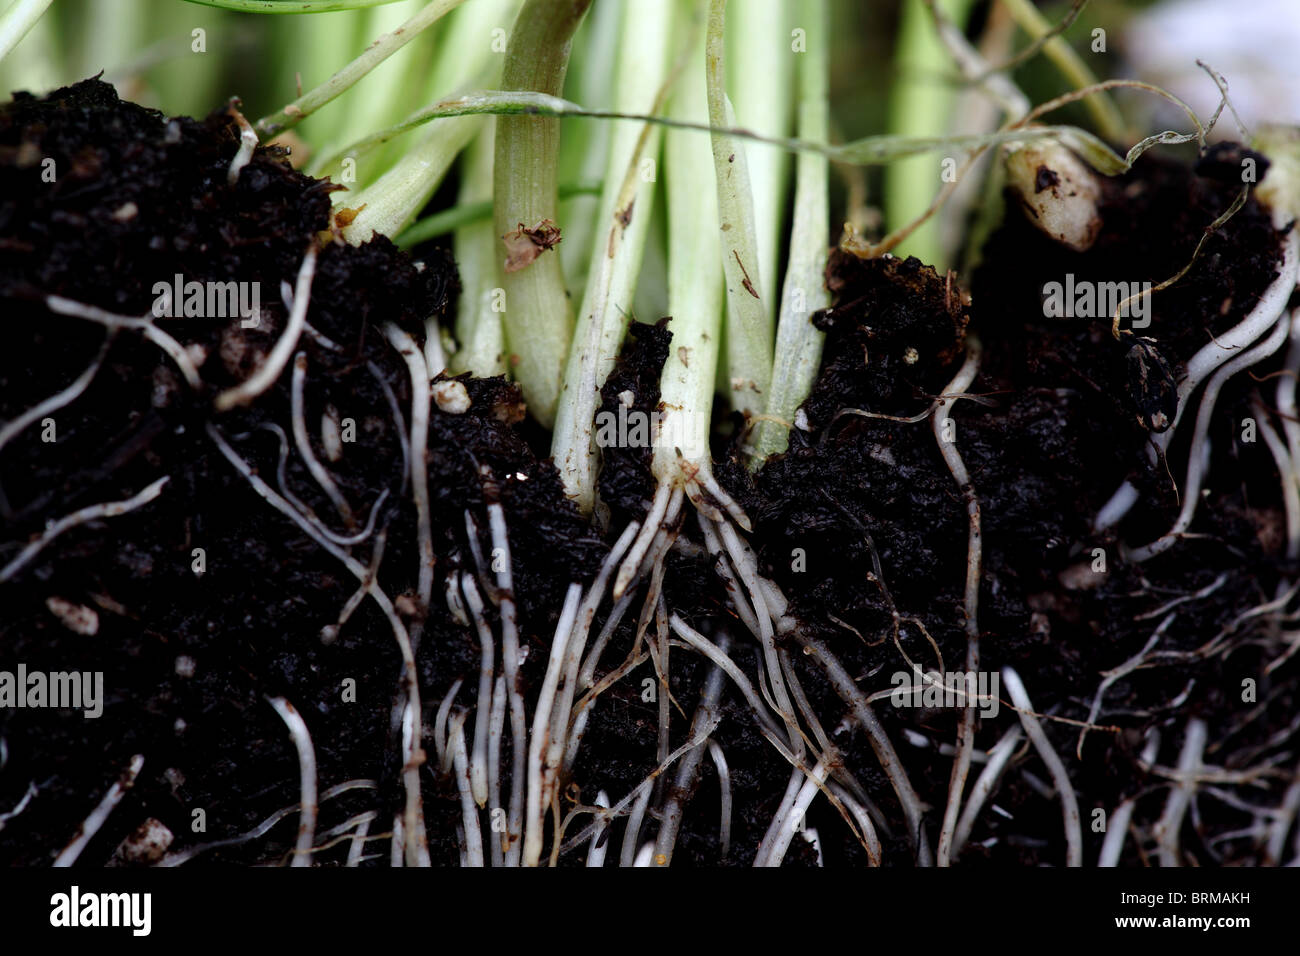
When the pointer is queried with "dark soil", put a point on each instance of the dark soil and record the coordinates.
(1055, 426)
(250, 625)
(859, 519)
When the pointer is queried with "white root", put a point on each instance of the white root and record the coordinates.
(719, 657)
(395, 409)
(599, 844)
(419, 372)
(397, 850)
(440, 726)
(974, 554)
(21, 805)
(495, 732)
(282, 480)
(689, 769)
(108, 509)
(1199, 457)
(455, 603)
(1255, 326)
(631, 835)
(984, 786)
(738, 600)
(1286, 469)
(793, 820)
(767, 727)
(478, 764)
(1262, 318)
(829, 751)
(303, 443)
(263, 828)
(91, 826)
(724, 786)
(307, 779)
(1064, 789)
(583, 710)
(870, 841)
(746, 565)
(1170, 824)
(1116, 832)
(1117, 827)
(560, 747)
(475, 547)
(358, 844)
(59, 399)
(510, 666)
(247, 144)
(704, 480)
(538, 780)
(1118, 673)
(1116, 507)
(270, 370)
(473, 834)
(653, 521)
(1286, 406)
(880, 743)
(1283, 818)
(619, 808)
(587, 676)
(174, 349)
(417, 850)
(783, 809)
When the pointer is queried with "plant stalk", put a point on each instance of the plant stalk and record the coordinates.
(695, 285)
(625, 212)
(798, 341)
(749, 334)
(538, 318)
(388, 44)
(478, 324)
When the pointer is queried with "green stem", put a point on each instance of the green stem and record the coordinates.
(538, 318)
(584, 147)
(625, 211)
(761, 75)
(307, 48)
(109, 38)
(387, 205)
(290, 6)
(31, 61)
(478, 324)
(470, 213)
(869, 151)
(193, 81)
(19, 17)
(1110, 123)
(798, 341)
(749, 334)
(391, 91)
(399, 194)
(388, 44)
(695, 283)
(921, 104)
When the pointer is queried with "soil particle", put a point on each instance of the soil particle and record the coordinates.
(626, 484)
